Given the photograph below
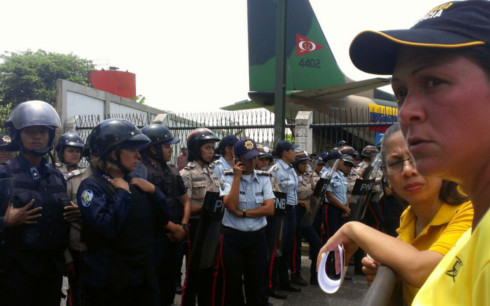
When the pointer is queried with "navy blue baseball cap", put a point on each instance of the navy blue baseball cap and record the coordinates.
(5, 142)
(457, 24)
(284, 145)
(228, 140)
(246, 148)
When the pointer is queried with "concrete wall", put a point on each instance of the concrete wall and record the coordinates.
(77, 100)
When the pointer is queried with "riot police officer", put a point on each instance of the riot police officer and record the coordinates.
(160, 172)
(248, 199)
(306, 210)
(265, 158)
(373, 217)
(199, 178)
(120, 215)
(69, 152)
(32, 254)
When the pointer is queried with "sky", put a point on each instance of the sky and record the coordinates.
(188, 55)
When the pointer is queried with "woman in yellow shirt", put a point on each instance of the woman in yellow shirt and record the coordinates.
(437, 215)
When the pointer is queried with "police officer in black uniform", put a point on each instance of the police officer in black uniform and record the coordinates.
(120, 215)
(161, 173)
(32, 254)
(69, 152)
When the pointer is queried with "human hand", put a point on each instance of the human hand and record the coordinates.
(238, 168)
(341, 237)
(119, 183)
(72, 213)
(23, 215)
(369, 268)
(347, 211)
(143, 184)
(176, 232)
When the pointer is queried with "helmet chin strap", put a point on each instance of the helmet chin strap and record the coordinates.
(35, 152)
(117, 162)
(158, 156)
(41, 152)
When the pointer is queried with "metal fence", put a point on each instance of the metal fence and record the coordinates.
(356, 126)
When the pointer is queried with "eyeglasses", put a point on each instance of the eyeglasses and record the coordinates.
(397, 166)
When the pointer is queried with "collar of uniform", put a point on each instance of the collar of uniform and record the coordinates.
(198, 166)
(254, 176)
(127, 177)
(283, 164)
(43, 168)
(224, 161)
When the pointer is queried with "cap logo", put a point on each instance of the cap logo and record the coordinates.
(6, 138)
(437, 11)
(249, 145)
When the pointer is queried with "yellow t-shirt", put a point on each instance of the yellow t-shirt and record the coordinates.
(463, 275)
(447, 226)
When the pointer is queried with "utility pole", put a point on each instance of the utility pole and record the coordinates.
(280, 80)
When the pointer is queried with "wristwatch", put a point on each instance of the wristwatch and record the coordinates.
(244, 213)
(186, 227)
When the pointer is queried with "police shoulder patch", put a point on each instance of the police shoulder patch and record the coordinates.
(86, 197)
(264, 173)
(227, 172)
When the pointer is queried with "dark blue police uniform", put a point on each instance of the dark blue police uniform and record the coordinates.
(32, 255)
(119, 231)
(167, 253)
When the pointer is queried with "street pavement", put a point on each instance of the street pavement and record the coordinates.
(350, 293)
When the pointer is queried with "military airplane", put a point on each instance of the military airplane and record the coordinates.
(314, 80)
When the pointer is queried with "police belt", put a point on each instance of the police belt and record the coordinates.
(237, 233)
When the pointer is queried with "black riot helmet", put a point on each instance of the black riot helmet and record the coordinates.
(68, 140)
(114, 135)
(32, 113)
(159, 134)
(196, 139)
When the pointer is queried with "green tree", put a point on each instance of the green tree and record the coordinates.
(32, 75)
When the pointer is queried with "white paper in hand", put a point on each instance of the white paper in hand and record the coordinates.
(326, 283)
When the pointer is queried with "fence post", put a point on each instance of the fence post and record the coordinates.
(70, 125)
(161, 119)
(303, 133)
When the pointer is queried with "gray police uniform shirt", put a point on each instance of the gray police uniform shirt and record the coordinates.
(254, 190)
(338, 187)
(287, 180)
(220, 165)
(198, 181)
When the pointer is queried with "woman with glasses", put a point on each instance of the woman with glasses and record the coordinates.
(435, 217)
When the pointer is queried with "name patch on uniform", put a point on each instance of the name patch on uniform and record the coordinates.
(87, 196)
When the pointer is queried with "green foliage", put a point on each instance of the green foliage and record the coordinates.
(289, 137)
(139, 99)
(32, 75)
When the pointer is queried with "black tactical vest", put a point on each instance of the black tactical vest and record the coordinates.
(166, 180)
(50, 233)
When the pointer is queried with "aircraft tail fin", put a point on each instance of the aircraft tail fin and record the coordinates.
(309, 59)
